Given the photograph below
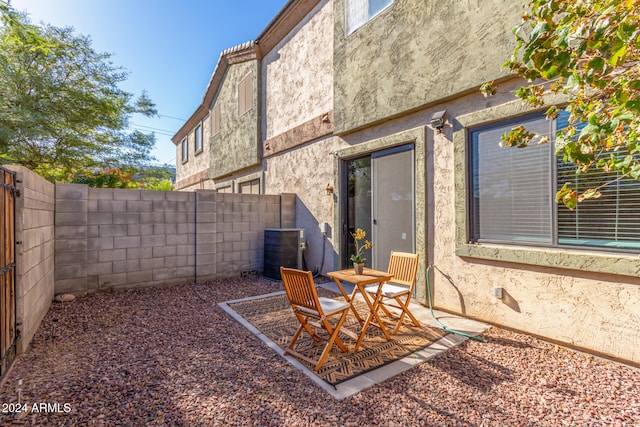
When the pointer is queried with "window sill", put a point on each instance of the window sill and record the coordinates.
(198, 152)
(583, 260)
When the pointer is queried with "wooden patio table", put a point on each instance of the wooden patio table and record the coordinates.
(368, 277)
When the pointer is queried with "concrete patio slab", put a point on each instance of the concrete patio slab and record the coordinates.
(368, 379)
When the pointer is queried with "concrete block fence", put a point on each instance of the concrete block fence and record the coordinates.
(76, 239)
(34, 252)
(118, 239)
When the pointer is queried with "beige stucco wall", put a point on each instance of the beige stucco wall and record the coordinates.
(297, 74)
(306, 171)
(592, 302)
(237, 146)
(416, 53)
(197, 161)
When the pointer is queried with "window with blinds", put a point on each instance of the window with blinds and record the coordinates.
(245, 93)
(513, 194)
(612, 220)
(511, 200)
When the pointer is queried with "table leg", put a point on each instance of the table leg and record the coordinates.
(373, 313)
(349, 299)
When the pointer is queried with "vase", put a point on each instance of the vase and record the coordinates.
(359, 267)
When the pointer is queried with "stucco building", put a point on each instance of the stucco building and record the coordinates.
(379, 100)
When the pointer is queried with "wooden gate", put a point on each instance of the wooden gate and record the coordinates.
(7, 270)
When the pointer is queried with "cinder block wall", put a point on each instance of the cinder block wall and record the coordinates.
(34, 253)
(118, 239)
(242, 219)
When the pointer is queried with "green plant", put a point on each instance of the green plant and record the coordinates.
(359, 235)
(588, 53)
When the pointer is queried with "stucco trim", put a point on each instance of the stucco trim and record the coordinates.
(417, 137)
(313, 129)
(196, 178)
(573, 259)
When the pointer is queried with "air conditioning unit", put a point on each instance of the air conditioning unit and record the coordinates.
(282, 247)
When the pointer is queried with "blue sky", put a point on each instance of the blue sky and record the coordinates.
(169, 48)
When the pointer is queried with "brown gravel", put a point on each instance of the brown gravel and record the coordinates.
(172, 357)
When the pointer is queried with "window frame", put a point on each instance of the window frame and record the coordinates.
(248, 179)
(588, 259)
(223, 188)
(215, 120)
(184, 150)
(352, 29)
(250, 183)
(245, 94)
(198, 131)
(551, 188)
(551, 182)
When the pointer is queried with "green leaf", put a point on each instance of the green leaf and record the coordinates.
(619, 51)
(61, 108)
(539, 29)
(627, 116)
(597, 64)
(563, 59)
(633, 105)
(550, 72)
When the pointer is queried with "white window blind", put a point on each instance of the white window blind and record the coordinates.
(612, 220)
(511, 187)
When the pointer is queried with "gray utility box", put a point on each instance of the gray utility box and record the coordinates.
(282, 247)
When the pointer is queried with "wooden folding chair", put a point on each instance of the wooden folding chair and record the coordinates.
(404, 267)
(306, 305)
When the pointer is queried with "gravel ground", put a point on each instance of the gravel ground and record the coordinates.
(172, 357)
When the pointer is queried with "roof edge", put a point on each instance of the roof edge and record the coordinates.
(212, 86)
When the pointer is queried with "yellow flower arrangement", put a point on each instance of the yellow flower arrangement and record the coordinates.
(359, 235)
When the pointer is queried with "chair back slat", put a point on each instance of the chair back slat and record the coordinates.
(300, 288)
(404, 267)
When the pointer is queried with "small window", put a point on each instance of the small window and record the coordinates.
(250, 187)
(361, 11)
(245, 93)
(199, 138)
(185, 150)
(215, 120)
(226, 189)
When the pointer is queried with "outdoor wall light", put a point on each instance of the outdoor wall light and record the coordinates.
(329, 190)
(437, 120)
